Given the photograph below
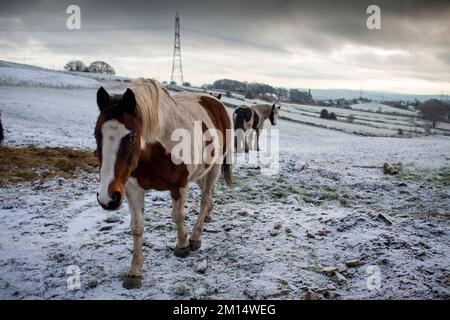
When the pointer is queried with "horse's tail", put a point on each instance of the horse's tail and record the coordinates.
(228, 157)
(226, 169)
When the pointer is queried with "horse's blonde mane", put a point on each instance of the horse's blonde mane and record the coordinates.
(147, 92)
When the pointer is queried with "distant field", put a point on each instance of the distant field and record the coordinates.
(376, 107)
(368, 120)
(365, 122)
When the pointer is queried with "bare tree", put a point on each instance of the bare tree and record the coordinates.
(435, 110)
(76, 65)
(101, 67)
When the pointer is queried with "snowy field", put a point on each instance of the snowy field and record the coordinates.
(364, 123)
(378, 107)
(314, 226)
(43, 78)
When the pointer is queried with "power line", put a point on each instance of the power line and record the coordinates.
(227, 38)
(226, 66)
(111, 44)
(88, 29)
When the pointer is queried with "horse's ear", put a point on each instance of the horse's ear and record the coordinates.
(129, 100)
(273, 106)
(219, 96)
(102, 98)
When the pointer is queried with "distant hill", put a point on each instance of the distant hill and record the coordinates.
(324, 94)
(22, 75)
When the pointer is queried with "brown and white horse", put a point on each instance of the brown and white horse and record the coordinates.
(134, 134)
(251, 121)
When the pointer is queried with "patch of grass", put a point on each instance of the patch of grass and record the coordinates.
(442, 177)
(410, 176)
(329, 195)
(306, 197)
(434, 177)
(181, 291)
(21, 164)
(280, 193)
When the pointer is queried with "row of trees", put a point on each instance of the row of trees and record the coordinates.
(100, 67)
(301, 97)
(435, 110)
(261, 90)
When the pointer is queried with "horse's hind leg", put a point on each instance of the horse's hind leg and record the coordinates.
(182, 247)
(205, 206)
(247, 142)
(201, 183)
(135, 195)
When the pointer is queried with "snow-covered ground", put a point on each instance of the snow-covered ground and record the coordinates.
(379, 107)
(11, 76)
(364, 122)
(271, 237)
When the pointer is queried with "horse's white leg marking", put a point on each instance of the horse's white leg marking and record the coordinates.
(135, 195)
(250, 139)
(246, 140)
(178, 218)
(112, 133)
(206, 202)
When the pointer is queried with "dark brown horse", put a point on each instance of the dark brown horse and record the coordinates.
(137, 137)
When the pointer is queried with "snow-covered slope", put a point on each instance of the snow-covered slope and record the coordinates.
(24, 77)
(378, 107)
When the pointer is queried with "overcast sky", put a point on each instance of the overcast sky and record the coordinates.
(305, 44)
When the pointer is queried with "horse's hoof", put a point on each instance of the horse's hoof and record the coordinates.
(207, 219)
(195, 244)
(132, 282)
(181, 252)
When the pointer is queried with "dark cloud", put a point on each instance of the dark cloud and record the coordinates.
(257, 31)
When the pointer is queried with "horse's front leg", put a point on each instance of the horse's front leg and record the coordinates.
(182, 247)
(135, 195)
(258, 132)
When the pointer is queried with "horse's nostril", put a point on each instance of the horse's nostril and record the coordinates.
(116, 197)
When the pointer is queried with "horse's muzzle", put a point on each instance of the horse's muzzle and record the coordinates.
(114, 204)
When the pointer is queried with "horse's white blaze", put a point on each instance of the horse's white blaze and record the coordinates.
(112, 133)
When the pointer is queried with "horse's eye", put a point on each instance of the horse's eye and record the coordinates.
(132, 139)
